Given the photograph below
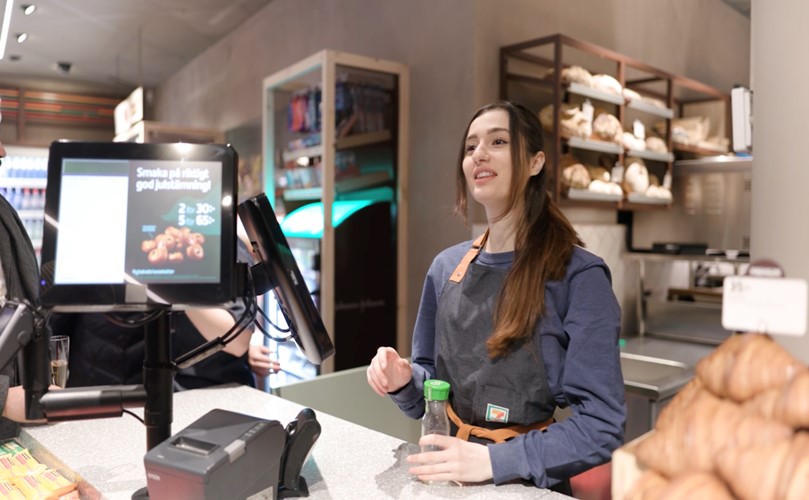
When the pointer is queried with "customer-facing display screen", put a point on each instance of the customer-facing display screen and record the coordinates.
(160, 221)
(129, 225)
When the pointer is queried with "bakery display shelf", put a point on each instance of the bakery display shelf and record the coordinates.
(697, 150)
(646, 200)
(23, 182)
(662, 96)
(600, 146)
(583, 90)
(651, 155)
(587, 195)
(347, 142)
(651, 109)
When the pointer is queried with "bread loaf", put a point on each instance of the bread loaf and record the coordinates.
(572, 121)
(606, 127)
(773, 471)
(746, 365)
(575, 176)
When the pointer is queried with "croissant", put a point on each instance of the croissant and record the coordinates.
(692, 437)
(679, 403)
(694, 486)
(774, 471)
(745, 365)
(788, 403)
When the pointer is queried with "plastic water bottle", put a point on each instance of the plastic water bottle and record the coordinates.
(435, 421)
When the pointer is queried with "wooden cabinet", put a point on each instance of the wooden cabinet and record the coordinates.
(560, 74)
(335, 128)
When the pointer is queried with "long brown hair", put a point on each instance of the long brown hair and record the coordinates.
(544, 238)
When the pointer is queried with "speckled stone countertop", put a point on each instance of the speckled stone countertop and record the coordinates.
(347, 462)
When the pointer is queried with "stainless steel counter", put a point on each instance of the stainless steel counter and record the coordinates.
(347, 462)
(654, 371)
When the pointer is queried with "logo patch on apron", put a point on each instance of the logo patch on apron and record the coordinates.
(496, 413)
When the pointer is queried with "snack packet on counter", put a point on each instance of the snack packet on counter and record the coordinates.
(31, 465)
(8, 491)
(11, 447)
(56, 483)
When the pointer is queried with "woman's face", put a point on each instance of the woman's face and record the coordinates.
(487, 165)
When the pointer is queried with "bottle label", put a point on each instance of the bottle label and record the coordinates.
(496, 413)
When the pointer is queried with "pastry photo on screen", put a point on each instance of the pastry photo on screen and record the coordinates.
(174, 221)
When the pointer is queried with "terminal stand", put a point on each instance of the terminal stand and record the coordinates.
(158, 380)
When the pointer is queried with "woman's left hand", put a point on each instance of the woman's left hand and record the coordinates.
(459, 460)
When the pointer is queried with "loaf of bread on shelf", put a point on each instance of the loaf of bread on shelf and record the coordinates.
(606, 127)
(656, 144)
(788, 403)
(599, 186)
(772, 471)
(636, 176)
(597, 172)
(745, 365)
(691, 438)
(607, 83)
(575, 176)
(629, 141)
(572, 122)
(577, 74)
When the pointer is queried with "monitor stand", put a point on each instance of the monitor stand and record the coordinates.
(158, 380)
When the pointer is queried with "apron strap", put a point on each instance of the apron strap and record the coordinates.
(460, 271)
(495, 435)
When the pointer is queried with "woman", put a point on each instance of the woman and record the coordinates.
(519, 322)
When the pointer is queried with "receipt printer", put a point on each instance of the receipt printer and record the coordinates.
(221, 455)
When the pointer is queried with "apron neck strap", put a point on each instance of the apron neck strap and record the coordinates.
(460, 271)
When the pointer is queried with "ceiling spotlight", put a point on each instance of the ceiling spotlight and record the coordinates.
(28, 8)
(21, 37)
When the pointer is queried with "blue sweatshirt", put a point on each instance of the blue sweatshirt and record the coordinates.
(580, 331)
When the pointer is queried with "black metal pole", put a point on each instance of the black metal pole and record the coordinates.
(158, 379)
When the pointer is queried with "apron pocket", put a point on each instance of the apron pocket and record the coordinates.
(497, 407)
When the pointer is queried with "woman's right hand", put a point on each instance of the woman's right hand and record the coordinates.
(388, 372)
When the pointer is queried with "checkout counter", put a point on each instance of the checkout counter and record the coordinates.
(348, 461)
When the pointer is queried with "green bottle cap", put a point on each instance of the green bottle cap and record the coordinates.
(436, 390)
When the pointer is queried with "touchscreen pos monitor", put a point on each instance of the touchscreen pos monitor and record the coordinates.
(278, 271)
(139, 226)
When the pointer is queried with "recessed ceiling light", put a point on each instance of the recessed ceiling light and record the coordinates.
(28, 8)
(14, 57)
(21, 37)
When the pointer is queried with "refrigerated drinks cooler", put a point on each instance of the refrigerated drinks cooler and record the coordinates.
(364, 282)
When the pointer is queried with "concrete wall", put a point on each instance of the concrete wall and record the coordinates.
(780, 173)
(451, 47)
